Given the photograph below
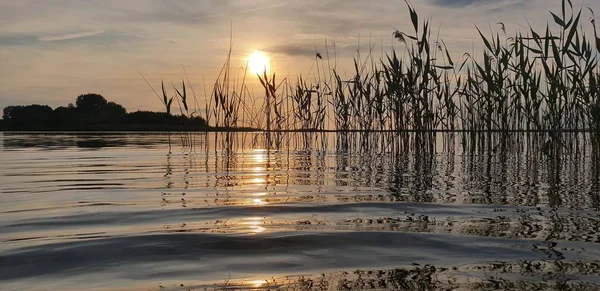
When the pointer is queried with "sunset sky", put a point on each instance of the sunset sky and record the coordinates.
(52, 51)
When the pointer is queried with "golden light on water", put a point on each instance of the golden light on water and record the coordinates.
(257, 283)
(258, 201)
(258, 63)
(257, 181)
(257, 229)
(254, 224)
(259, 156)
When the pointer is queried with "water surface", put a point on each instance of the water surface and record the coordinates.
(128, 211)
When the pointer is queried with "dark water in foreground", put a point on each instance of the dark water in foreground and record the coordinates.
(118, 212)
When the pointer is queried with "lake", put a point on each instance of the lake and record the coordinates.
(298, 211)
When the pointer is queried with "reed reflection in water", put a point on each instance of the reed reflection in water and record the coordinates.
(311, 211)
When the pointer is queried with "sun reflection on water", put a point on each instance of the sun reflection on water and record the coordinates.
(257, 181)
(257, 283)
(254, 224)
(259, 156)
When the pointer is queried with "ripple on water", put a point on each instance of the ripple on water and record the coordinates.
(117, 211)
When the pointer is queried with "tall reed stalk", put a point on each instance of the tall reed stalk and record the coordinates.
(521, 81)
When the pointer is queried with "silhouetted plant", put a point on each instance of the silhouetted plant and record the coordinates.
(526, 81)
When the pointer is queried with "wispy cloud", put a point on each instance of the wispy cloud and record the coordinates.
(192, 12)
(71, 35)
(310, 50)
(486, 5)
(293, 50)
(15, 40)
(461, 3)
(265, 7)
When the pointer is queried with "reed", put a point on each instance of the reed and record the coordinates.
(522, 81)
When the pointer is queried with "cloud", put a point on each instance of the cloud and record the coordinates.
(71, 35)
(266, 7)
(293, 50)
(461, 3)
(310, 50)
(15, 40)
(99, 40)
(486, 5)
(194, 12)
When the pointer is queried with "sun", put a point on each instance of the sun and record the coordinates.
(258, 63)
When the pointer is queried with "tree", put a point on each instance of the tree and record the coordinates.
(90, 111)
(90, 103)
(7, 112)
(112, 113)
(148, 118)
(66, 116)
(29, 115)
(115, 109)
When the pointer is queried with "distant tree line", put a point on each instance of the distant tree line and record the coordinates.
(92, 112)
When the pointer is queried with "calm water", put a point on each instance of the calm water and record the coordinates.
(119, 212)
